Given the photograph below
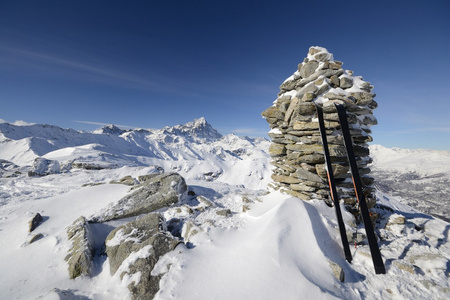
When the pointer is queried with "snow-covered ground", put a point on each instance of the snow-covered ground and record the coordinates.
(420, 178)
(270, 246)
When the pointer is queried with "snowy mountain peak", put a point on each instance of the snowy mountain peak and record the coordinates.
(199, 122)
(199, 128)
(110, 129)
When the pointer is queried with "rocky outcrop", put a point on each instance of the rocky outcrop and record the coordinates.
(35, 237)
(80, 255)
(35, 222)
(127, 180)
(133, 250)
(110, 129)
(296, 148)
(43, 167)
(158, 191)
(9, 169)
(86, 166)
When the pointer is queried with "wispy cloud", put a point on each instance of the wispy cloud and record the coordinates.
(101, 124)
(86, 71)
(72, 65)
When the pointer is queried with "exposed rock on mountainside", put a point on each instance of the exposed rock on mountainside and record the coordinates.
(35, 222)
(42, 167)
(133, 250)
(160, 190)
(8, 169)
(80, 255)
(134, 247)
(296, 148)
(110, 129)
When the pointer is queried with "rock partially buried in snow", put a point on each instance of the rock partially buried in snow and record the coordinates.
(156, 192)
(223, 212)
(80, 255)
(338, 272)
(43, 167)
(35, 238)
(127, 180)
(133, 250)
(35, 222)
(404, 266)
(189, 230)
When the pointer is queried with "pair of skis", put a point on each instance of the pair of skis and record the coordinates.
(370, 233)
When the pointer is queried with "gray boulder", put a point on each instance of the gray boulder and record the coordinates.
(159, 191)
(42, 167)
(80, 255)
(35, 222)
(133, 250)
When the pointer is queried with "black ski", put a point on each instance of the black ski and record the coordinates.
(332, 184)
(373, 245)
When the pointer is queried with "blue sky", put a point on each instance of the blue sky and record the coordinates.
(80, 64)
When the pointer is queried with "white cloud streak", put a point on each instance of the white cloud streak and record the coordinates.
(101, 124)
(96, 73)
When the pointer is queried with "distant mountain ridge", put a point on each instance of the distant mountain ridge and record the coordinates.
(181, 148)
(20, 142)
(421, 178)
(196, 129)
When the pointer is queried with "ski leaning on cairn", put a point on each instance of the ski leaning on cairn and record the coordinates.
(370, 233)
(373, 245)
(332, 184)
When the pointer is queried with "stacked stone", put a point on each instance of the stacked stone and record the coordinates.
(296, 149)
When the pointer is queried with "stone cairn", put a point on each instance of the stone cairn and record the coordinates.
(296, 148)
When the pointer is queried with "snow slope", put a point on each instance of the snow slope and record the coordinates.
(270, 246)
(420, 177)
